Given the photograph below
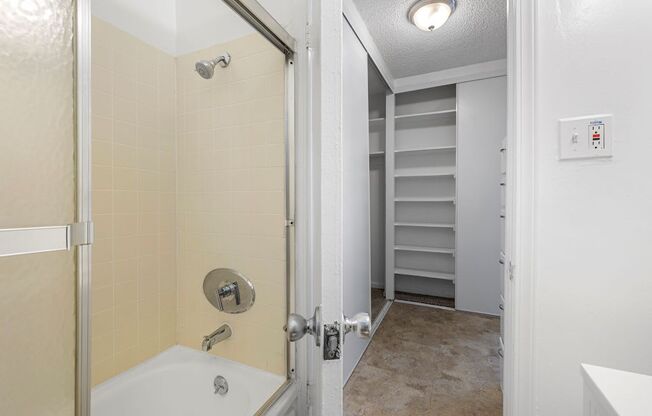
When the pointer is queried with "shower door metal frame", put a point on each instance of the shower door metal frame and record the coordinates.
(257, 16)
(77, 236)
(265, 24)
(289, 229)
(82, 48)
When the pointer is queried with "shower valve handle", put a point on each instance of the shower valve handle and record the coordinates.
(228, 290)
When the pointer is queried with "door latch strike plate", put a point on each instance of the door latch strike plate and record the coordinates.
(332, 338)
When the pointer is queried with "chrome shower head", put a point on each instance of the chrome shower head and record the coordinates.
(206, 69)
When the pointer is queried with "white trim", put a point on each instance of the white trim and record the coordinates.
(473, 72)
(390, 204)
(327, 32)
(520, 212)
(360, 28)
(379, 320)
(425, 305)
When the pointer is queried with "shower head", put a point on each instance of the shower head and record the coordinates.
(206, 69)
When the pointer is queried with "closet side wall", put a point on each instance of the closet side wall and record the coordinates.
(481, 124)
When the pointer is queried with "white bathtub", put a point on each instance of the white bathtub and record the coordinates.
(179, 381)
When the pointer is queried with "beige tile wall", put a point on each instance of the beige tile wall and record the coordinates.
(134, 204)
(228, 156)
(231, 159)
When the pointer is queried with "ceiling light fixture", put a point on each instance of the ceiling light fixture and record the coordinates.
(429, 15)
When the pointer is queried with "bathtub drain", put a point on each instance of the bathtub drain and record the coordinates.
(221, 385)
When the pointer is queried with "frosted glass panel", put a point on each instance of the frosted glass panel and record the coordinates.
(37, 187)
(37, 320)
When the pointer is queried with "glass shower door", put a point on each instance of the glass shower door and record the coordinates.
(37, 202)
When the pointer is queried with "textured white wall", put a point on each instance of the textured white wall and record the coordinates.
(474, 33)
(593, 233)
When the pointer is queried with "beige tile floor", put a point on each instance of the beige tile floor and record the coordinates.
(427, 361)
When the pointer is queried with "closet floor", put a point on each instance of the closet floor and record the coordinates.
(428, 361)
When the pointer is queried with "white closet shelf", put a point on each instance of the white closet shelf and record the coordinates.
(444, 199)
(421, 249)
(426, 114)
(425, 273)
(423, 224)
(376, 120)
(427, 149)
(450, 172)
(377, 154)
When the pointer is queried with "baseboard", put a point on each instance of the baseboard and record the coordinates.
(407, 302)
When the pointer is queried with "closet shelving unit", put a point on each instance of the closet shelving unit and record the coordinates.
(424, 175)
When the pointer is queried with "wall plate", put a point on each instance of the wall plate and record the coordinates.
(586, 137)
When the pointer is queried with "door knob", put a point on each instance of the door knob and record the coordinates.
(298, 326)
(360, 324)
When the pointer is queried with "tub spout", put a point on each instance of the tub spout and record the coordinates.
(219, 335)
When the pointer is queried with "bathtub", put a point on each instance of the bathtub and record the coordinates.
(179, 381)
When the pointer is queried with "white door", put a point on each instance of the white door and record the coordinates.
(356, 253)
(341, 211)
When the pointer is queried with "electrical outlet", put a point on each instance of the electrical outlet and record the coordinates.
(596, 137)
(585, 137)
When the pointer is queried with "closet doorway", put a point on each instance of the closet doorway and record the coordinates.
(437, 127)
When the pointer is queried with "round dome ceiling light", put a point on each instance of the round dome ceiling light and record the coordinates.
(429, 15)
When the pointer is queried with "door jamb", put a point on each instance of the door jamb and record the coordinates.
(520, 211)
(520, 299)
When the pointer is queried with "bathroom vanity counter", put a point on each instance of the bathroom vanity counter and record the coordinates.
(609, 392)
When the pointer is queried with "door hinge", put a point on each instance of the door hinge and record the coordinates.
(289, 222)
(81, 234)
